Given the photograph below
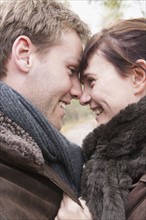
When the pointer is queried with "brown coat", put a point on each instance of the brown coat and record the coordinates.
(30, 196)
(137, 201)
(29, 188)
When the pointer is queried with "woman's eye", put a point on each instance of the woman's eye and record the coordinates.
(91, 81)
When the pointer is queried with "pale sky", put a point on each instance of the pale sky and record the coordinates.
(92, 13)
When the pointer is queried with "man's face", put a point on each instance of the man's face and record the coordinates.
(53, 82)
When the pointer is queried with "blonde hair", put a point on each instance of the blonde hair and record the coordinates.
(42, 21)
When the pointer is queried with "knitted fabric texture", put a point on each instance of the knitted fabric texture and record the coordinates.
(60, 154)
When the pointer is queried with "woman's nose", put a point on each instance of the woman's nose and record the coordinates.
(85, 98)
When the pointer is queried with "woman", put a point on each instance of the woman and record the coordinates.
(113, 72)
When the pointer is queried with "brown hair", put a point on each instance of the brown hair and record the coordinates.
(122, 44)
(42, 21)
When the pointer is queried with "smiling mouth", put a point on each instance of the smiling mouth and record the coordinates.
(97, 111)
(63, 105)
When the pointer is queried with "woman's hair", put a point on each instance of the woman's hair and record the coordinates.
(122, 44)
(43, 21)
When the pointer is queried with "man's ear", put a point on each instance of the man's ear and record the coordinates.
(21, 51)
(139, 77)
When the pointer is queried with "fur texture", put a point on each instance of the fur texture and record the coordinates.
(115, 156)
(17, 147)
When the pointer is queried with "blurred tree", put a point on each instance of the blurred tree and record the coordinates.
(66, 1)
(112, 9)
(112, 4)
(115, 8)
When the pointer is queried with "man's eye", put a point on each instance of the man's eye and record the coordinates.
(72, 71)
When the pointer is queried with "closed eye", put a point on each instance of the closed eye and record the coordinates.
(72, 71)
(90, 81)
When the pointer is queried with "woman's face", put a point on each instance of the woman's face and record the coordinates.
(105, 90)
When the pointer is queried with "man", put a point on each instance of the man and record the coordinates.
(41, 43)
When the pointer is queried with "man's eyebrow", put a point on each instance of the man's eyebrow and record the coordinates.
(74, 60)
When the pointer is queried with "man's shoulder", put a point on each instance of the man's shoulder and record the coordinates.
(27, 195)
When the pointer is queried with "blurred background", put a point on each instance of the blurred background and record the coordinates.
(79, 120)
(97, 13)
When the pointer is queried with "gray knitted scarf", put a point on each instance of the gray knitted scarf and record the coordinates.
(64, 157)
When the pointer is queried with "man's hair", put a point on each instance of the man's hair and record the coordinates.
(42, 21)
(122, 44)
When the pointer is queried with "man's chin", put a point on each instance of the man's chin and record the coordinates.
(55, 121)
(57, 125)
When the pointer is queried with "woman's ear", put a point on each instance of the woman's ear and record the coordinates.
(21, 51)
(139, 77)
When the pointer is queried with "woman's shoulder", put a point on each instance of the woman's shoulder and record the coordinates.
(137, 200)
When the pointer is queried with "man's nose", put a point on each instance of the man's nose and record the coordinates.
(76, 90)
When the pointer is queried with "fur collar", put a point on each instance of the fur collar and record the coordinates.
(17, 146)
(115, 156)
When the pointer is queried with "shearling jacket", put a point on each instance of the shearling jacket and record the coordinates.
(29, 188)
(114, 178)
